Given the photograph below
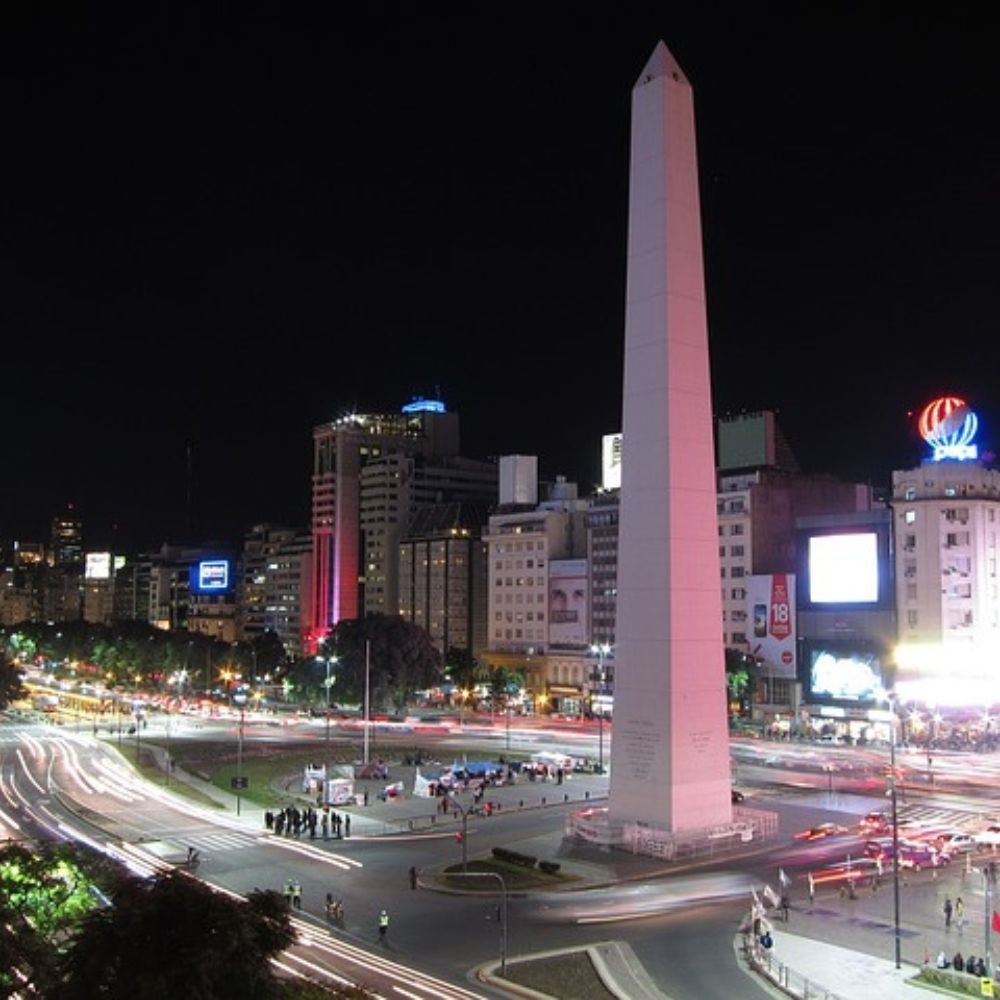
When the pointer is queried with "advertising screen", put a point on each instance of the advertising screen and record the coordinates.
(211, 576)
(843, 569)
(568, 602)
(611, 461)
(842, 673)
(97, 566)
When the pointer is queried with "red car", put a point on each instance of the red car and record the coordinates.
(821, 831)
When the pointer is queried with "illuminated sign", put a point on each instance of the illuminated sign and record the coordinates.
(97, 566)
(213, 575)
(948, 426)
(421, 405)
(771, 599)
(611, 461)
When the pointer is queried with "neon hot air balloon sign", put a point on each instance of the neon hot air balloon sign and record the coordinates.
(949, 426)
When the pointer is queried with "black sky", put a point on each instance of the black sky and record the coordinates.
(223, 226)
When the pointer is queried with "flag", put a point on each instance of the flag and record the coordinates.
(996, 921)
(771, 896)
(783, 878)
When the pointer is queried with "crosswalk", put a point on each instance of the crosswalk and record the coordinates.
(209, 842)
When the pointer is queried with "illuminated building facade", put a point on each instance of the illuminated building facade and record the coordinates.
(277, 573)
(66, 539)
(947, 520)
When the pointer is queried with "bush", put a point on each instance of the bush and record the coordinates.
(514, 857)
(549, 867)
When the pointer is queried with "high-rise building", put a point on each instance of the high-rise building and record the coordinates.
(66, 539)
(442, 575)
(276, 577)
(371, 473)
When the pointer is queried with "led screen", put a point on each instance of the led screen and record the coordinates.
(97, 566)
(844, 675)
(843, 569)
(212, 576)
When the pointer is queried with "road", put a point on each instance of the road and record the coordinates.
(687, 949)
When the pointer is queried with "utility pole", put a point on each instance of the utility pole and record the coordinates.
(368, 687)
(503, 911)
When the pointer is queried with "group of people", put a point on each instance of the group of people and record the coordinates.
(972, 965)
(957, 911)
(295, 821)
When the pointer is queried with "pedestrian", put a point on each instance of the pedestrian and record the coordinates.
(347, 824)
(413, 877)
(959, 912)
(784, 906)
(812, 889)
(947, 912)
(289, 894)
(297, 895)
(383, 925)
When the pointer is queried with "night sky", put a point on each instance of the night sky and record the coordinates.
(220, 229)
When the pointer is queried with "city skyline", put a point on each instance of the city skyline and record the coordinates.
(224, 232)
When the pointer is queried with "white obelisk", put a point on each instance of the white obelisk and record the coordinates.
(670, 750)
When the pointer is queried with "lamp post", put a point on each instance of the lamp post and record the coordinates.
(326, 684)
(891, 698)
(368, 693)
(503, 911)
(601, 649)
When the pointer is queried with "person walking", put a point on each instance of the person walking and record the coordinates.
(960, 912)
(947, 912)
(413, 877)
(383, 925)
(289, 894)
(297, 895)
(347, 824)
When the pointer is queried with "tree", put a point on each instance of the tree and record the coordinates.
(44, 896)
(172, 936)
(10, 681)
(404, 660)
(742, 672)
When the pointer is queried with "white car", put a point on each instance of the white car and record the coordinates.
(956, 843)
(990, 837)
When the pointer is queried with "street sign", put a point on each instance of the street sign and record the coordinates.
(240, 782)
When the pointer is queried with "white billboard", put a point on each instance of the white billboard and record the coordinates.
(97, 566)
(568, 603)
(611, 461)
(771, 606)
(843, 569)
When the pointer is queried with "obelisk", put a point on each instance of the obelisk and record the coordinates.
(670, 750)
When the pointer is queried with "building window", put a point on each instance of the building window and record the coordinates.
(910, 516)
(722, 572)
(737, 572)
(910, 493)
(736, 529)
(911, 591)
(909, 542)
(736, 550)
(739, 637)
(911, 618)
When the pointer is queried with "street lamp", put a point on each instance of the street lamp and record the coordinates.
(503, 910)
(601, 649)
(890, 697)
(326, 684)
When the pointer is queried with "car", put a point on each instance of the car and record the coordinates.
(855, 870)
(737, 796)
(990, 837)
(912, 854)
(956, 843)
(821, 831)
(876, 823)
